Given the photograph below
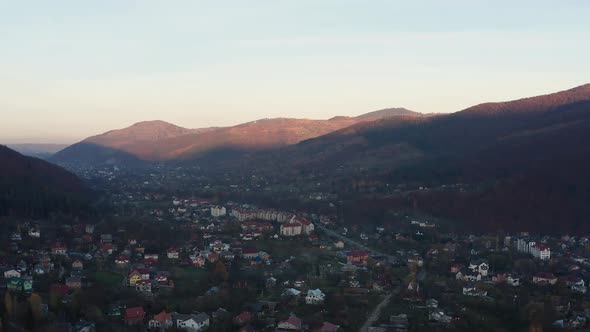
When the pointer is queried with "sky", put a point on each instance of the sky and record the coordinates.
(71, 69)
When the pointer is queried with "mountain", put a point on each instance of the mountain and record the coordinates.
(35, 188)
(160, 141)
(524, 160)
(387, 112)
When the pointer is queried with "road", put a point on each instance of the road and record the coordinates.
(354, 243)
(375, 314)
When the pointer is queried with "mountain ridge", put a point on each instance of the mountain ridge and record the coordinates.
(157, 140)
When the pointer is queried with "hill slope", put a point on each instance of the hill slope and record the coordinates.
(35, 188)
(524, 159)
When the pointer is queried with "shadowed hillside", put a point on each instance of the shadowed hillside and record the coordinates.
(34, 188)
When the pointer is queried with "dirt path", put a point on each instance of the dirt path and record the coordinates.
(375, 314)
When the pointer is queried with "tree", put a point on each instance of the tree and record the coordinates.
(36, 303)
(8, 304)
(221, 271)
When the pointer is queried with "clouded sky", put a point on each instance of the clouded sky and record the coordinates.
(70, 69)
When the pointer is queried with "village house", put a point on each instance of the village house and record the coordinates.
(74, 282)
(357, 257)
(291, 229)
(19, 285)
(243, 318)
(134, 316)
(151, 256)
(544, 278)
(315, 296)
(34, 233)
(59, 249)
(307, 226)
(161, 278)
(173, 253)
(250, 253)
(143, 286)
(292, 323)
(192, 323)
(133, 278)
(480, 266)
(328, 327)
(77, 265)
(218, 211)
(199, 261)
(512, 281)
(538, 250)
(541, 251)
(161, 321)
(11, 274)
(243, 214)
(107, 248)
(122, 260)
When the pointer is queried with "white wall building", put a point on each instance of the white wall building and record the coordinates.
(314, 296)
(218, 211)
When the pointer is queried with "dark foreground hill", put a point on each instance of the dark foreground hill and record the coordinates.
(31, 187)
(525, 162)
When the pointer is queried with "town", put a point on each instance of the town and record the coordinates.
(162, 260)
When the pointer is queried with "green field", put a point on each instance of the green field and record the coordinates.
(108, 279)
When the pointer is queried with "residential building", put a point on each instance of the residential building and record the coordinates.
(218, 211)
(161, 321)
(134, 316)
(315, 296)
(540, 251)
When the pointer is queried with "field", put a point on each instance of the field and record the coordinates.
(108, 279)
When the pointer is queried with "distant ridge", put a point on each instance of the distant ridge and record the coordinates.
(159, 141)
(387, 112)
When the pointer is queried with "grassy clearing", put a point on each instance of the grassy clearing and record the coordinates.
(108, 279)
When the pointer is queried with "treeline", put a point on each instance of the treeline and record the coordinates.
(19, 198)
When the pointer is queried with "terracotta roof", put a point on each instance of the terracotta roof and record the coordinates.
(133, 313)
(163, 317)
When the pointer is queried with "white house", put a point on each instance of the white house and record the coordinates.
(540, 251)
(173, 253)
(11, 274)
(314, 296)
(513, 281)
(192, 323)
(34, 233)
(480, 266)
(291, 229)
(307, 226)
(218, 211)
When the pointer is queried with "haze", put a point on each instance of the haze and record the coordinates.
(71, 69)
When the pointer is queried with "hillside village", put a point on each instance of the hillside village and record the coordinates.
(204, 264)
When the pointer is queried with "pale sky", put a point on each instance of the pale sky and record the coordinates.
(71, 69)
